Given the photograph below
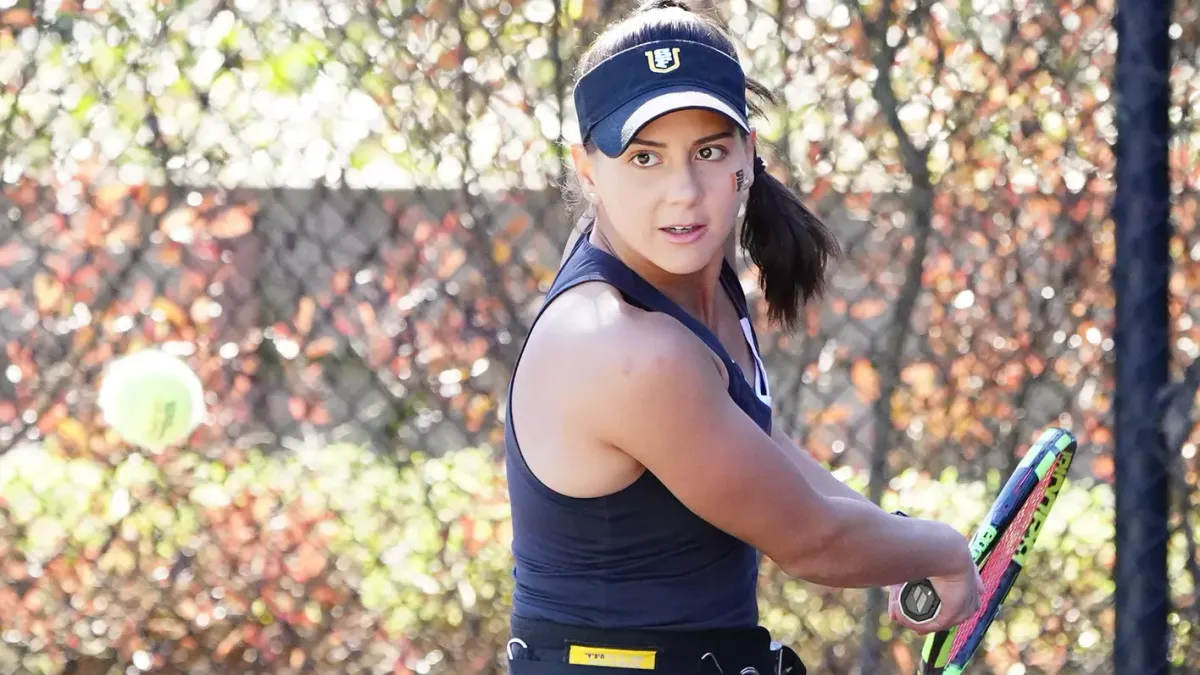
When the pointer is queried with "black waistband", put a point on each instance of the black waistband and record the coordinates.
(547, 633)
(716, 651)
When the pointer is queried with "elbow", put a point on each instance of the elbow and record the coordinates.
(811, 549)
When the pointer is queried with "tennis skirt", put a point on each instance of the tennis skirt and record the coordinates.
(544, 648)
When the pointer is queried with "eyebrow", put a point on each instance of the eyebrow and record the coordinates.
(701, 141)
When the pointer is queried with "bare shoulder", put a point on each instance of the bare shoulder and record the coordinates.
(588, 346)
(622, 379)
(594, 339)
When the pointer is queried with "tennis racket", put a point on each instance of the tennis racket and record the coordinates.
(999, 546)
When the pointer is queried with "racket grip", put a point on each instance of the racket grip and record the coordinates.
(918, 601)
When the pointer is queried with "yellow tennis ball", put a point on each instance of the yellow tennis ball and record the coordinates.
(151, 399)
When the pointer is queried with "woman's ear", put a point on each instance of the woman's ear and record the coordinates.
(583, 171)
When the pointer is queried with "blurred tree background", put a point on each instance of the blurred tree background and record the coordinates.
(343, 214)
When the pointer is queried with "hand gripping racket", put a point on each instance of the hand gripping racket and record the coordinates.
(999, 546)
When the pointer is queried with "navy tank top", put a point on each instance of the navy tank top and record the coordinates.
(637, 558)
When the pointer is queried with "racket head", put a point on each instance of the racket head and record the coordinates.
(1000, 546)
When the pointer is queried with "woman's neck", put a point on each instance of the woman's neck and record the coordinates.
(697, 294)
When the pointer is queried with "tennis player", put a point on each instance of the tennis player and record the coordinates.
(644, 473)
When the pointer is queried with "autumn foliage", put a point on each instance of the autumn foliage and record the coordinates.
(344, 217)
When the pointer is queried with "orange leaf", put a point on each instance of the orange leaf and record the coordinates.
(234, 221)
(366, 314)
(173, 314)
(819, 449)
(203, 310)
(501, 252)
(297, 407)
(226, 646)
(865, 380)
(834, 414)
(1103, 468)
(868, 309)
(11, 253)
(517, 224)
(124, 232)
(341, 281)
(319, 415)
(903, 657)
(304, 315)
(59, 264)
(922, 377)
(178, 223)
(307, 562)
(590, 11)
(449, 60)
(450, 261)
(325, 595)
(319, 347)
(73, 433)
(170, 255)
(158, 203)
(17, 18)
(108, 198)
(47, 292)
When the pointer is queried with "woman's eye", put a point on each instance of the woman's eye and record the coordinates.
(711, 153)
(644, 159)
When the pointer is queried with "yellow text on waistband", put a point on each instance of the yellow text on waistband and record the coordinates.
(604, 657)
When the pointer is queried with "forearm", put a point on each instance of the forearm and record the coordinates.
(865, 547)
(820, 477)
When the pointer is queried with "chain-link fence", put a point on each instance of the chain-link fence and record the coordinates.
(343, 214)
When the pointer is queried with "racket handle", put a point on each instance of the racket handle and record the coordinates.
(919, 602)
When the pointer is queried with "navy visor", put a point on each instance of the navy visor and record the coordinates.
(630, 89)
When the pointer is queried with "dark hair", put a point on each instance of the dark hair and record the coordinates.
(787, 242)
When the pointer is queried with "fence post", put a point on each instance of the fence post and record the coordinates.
(1142, 334)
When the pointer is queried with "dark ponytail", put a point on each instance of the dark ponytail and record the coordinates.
(788, 243)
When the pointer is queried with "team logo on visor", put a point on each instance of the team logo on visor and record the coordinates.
(663, 60)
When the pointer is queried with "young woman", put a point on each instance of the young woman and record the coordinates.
(644, 472)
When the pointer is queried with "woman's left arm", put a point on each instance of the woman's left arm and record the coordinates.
(828, 484)
(822, 479)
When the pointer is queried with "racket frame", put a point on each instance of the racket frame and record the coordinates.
(1050, 455)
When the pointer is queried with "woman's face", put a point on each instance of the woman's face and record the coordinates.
(673, 196)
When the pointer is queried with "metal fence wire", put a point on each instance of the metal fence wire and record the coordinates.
(343, 215)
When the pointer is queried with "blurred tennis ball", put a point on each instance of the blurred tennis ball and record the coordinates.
(151, 399)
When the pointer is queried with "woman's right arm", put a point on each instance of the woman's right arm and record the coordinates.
(655, 393)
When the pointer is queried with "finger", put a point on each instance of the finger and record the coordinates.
(919, 629)
(964, 613)
(968, 612)
(924, 628)
(943, 623)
